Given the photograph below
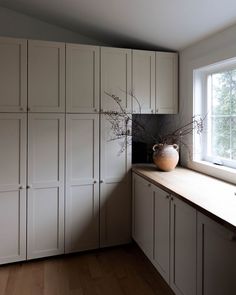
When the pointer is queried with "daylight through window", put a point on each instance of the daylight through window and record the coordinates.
(217, 91)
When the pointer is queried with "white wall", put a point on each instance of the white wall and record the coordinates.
(213, 49)
(15, 24)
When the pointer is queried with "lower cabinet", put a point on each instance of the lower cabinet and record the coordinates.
(142, 229)
(183, 248)
(216, 258)
(165, 229)
(161, 222)
(193, 253)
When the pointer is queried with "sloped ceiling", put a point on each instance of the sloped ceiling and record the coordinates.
(170, 24)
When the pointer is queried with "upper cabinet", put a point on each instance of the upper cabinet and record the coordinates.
(13, 75)
(115, 78)
(46, 76)
(82, 78)
(166, 83)
(154, 82)
(143, 81)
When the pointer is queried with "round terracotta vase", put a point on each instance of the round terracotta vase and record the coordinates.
(165, 156)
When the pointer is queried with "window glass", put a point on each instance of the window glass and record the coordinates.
(216, 86)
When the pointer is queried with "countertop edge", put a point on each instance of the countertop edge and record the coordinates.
(138, 169)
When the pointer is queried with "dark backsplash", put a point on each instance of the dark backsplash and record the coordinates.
(142, 143)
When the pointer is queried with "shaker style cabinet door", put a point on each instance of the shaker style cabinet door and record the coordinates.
(82, 182)
(166, 83)
(216, 258)
(82, 78)
(115, 191)
(13, 75)
(183, 248)
(45, 220)
(115, 78)
(161, 253)
(143, 215)
(12, 187)
(46, 76)
(143, 81)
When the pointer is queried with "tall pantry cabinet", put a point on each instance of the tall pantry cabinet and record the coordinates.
(82, 148)
(64, 183)
(46, 148)
(45, 208)
(32, 149)
(82, 182)
(13, 133)
(12, 187)
(96, 184)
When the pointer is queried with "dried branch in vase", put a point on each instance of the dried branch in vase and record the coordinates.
(121, 122)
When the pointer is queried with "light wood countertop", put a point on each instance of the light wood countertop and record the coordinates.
(211, 196)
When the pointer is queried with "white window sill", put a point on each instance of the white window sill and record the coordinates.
(217, 171)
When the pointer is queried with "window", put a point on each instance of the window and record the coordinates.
(215, 98)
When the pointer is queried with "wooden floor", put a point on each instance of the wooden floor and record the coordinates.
(114, 271)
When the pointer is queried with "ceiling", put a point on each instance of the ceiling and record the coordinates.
(170, 24)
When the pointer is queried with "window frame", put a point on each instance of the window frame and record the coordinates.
(201, 106)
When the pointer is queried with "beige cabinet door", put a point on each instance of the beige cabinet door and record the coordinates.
(82, 78)
(142, 204)
(216, 258)
(46, 76)
(166, 83)
(13, 75)
(82, 182)
(183, 263)
(115, 78)
(161, 253)
(45, 185)
(143, 81)
(115, 190)
(12, 187)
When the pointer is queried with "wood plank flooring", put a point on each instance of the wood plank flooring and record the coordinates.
(115, 271)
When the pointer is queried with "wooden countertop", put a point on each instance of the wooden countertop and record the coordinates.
(211, 196)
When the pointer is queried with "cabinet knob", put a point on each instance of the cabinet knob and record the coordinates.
(21, 109)
(101, 110)
(28, 186)
(95, 181)
(101, 181)
(95, 110)
(21, 187)
(157, 110)
(167, 196)
(28, 109)
(149, 185)
(172, 199)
